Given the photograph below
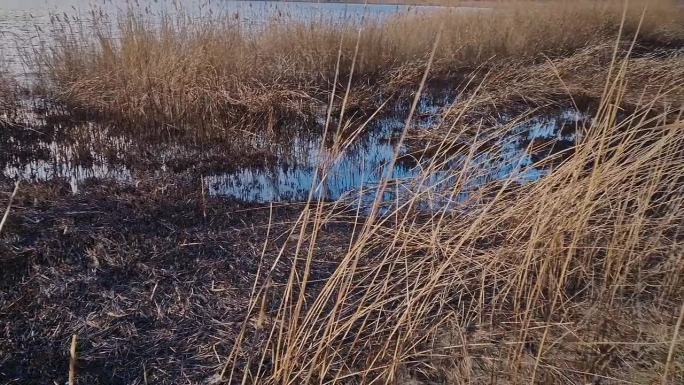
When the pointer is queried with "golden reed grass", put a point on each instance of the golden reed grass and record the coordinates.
(178, 69)
(575, 80)
(575, 278)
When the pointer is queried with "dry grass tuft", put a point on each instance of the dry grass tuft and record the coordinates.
(576, 80)
(182, 70)
(575, 278)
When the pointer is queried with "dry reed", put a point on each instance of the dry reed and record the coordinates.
(576, 80)
(9, 206)
(178, 69)
(8, 99)
(575, 278)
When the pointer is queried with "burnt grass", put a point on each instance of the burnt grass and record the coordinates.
(153, 279)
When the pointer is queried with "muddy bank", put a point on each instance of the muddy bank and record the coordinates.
(153, 279)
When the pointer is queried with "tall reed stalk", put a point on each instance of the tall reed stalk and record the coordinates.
(571, 279)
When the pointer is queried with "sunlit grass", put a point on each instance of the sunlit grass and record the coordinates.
(573, 278)
(214, 71)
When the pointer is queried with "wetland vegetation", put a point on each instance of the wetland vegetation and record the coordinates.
(180, 69)
(8, 99)
(446, 196)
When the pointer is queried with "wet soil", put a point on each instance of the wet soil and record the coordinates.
(154, 280)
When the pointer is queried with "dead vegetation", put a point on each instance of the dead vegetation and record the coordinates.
(8, 99)
(212, 71)
(577, 80)
(152, 282)
(511, 283)
(575, 278)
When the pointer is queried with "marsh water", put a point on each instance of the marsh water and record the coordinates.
(284, 166)
(290, 163)
(366, 162)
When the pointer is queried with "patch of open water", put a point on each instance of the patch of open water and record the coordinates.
(364, 164)
(97, 153)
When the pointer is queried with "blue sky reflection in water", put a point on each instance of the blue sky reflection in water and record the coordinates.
(363, 164)
(289, 177)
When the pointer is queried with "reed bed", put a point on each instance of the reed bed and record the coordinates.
(8, 99)
(214, 71)
(576, 80)
(572, 279)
